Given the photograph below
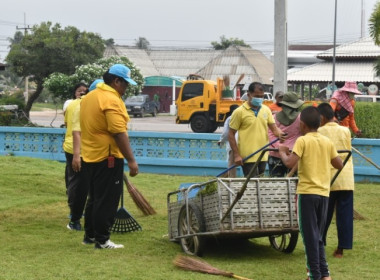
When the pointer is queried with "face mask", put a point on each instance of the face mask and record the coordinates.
(255, 101)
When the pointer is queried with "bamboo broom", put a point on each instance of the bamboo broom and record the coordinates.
(138, 198)
(193, 264)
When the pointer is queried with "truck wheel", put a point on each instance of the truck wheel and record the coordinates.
(192, 245)
(154, 113)
(284, 242)
(213, 127)
(199, 124)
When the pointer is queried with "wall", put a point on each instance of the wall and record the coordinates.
(164, 153)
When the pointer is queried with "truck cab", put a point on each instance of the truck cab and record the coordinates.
(200, 103)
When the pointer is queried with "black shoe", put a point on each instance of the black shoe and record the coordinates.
(74, 226)
(88, 240)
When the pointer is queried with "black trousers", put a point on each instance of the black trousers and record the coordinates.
(105, 186)
(76, 189)
(258, 171)
(312, 213)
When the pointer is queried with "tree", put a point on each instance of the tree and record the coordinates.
(225, 43)
(142, 43)
(374, 31)
(61, 85)
(109, 42)
(50, 48)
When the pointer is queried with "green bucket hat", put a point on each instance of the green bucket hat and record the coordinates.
(291, 100)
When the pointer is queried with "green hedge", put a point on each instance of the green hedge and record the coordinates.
(367, 117)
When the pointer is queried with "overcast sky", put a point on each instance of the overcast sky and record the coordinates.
(192, 23)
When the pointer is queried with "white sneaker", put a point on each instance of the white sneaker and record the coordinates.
(108, 245)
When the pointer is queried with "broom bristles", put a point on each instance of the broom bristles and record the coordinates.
(194, 264)
(138, 198)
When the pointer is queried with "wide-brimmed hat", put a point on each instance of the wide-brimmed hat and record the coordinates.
(291, 100)
(350, 87)
(122, 71)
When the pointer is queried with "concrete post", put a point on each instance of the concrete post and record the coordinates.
(173, 108)
(280, 46)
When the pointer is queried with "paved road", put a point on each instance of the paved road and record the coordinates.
(163, 122)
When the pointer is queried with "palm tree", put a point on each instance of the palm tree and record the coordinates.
(374, 31)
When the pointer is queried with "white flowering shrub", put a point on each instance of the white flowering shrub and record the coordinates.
(62, 85)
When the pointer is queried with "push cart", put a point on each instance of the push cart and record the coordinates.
(235, 208)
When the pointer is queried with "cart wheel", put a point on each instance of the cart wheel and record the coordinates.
(285, 242)
(192, 245)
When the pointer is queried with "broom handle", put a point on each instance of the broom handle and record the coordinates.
(240, 277)
(365, 157)
(122, 195)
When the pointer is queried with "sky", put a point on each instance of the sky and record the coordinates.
(193, 24)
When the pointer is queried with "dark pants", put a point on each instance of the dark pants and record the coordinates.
(258, 171)
(76, 189)
(276, 167)
(312, 212)
(343, 204)
(105, 186)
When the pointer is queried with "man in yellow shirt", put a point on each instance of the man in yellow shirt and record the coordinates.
(104, 145)
(252, 120)
(314, 153)
(342, 191)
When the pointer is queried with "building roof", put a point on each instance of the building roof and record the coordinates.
(344, 71)
(235, 61)
(208, 63)
(364, 48)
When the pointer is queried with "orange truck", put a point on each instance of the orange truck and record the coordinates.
(204, 104)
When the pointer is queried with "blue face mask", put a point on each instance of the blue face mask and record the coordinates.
(255, 101)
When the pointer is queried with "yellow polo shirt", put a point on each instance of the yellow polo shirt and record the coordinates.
(341, 137)
(253, 131)
(102, 114)
(315, 153)
(68, 143)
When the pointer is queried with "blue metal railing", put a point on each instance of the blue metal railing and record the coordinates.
(165, 153)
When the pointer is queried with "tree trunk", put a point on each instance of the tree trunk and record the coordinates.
(33, 97)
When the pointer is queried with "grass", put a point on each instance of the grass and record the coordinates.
(46, 106)
(35, 243)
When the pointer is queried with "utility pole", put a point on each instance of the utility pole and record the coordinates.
(362, 33)
(334, 59)
(26, 92)
(280, 46)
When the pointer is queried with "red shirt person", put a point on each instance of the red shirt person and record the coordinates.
(343, 104)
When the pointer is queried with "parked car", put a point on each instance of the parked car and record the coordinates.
(140, 105)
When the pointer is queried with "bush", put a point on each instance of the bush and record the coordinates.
(13, 100)
(367, 116)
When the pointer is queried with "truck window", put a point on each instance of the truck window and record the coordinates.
(192, 90)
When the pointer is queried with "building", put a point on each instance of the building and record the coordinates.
(354, 62)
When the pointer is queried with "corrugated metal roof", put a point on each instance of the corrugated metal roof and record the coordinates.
(344, 71)
(208, 63)
(364, 48)
(235, 61)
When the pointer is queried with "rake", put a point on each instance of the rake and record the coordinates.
(124, 222)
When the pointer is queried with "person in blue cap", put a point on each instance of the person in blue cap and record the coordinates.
(104, 146)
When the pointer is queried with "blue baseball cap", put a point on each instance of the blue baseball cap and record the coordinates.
(122, 71)
(94, 83)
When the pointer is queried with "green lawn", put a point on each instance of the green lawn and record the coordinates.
(46, 106)
(35, 243)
